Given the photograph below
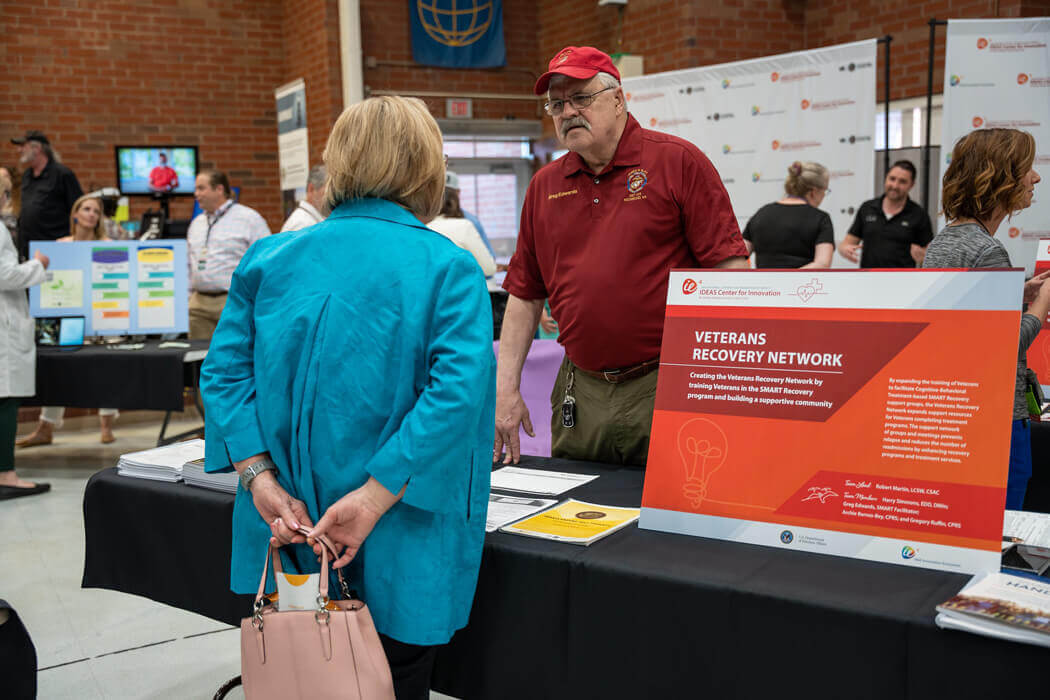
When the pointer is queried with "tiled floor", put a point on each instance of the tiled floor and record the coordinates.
(94, 643)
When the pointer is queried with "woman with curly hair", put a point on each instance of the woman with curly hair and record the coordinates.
(990, 178)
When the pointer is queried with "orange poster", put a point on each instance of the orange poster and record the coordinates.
(1039, 351)
(856, 413)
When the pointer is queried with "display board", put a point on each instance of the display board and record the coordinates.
(1039, 351)
(754, 118)
(862, 414)
(997, 74)
(120, 287)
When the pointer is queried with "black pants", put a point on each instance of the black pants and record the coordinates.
(411, 666)
(8, 428)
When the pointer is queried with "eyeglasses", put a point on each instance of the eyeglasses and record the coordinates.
(555, 107)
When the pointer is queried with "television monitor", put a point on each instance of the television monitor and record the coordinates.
(156, 170)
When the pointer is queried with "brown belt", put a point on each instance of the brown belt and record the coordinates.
(213, 294)
(616, 376)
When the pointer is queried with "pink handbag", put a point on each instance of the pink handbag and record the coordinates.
(331, 652)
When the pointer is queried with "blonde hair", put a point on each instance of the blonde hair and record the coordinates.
(100, 230)
(390, 148)
(987, 173)
(804, 177)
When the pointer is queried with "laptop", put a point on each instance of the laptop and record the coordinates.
(65, 333)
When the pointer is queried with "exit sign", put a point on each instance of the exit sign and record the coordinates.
(459, 108)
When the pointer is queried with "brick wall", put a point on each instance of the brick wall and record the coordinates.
(674, 34)
(311, 52)
(95, 74)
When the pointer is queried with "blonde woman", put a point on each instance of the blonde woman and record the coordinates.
(989, 179)
(85, 224)
(792, 232)
(351, 382)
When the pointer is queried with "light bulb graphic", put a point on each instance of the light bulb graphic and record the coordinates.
(702, 446)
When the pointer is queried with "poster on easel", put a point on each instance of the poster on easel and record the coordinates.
(860, 414)
(119, 287)
(1039, 351)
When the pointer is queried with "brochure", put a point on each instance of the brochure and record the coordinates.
(507, 509)
(1003, 606)
(537, 481)
(575, 521)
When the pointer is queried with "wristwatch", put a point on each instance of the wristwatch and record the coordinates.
(255, 469)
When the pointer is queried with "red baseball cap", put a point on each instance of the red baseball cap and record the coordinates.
(581, 62)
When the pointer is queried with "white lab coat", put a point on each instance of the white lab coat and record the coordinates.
(17, 336)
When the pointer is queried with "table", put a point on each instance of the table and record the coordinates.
(150, 378)
(639, 614)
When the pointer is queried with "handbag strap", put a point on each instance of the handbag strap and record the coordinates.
(326, 547)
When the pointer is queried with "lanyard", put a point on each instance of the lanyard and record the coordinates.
(221, 212)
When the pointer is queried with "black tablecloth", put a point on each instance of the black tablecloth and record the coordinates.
(99, 375)
(1037, 497)
(639, 614)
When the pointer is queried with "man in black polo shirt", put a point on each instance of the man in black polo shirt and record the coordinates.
(48, 192)
(891, 230)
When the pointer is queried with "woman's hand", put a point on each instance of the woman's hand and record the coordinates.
(350, 520)
(1032, 286)
(281, 512)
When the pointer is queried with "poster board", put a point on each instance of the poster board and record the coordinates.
(838, 412)
(120, 287)
(754, 118)
(997, 75)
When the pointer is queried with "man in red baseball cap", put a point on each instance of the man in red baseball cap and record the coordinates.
(601, 228)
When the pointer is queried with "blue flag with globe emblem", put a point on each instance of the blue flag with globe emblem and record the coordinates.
(458, 33)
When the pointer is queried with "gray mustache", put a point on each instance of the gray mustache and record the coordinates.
(573, 122)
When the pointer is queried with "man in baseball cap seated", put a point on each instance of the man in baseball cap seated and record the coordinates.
(601, 228)
(48, 192)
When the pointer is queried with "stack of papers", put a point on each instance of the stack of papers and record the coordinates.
(193, 474)
(575, 521)
(537, 481)
(507, 509)
(161, 463)
(1001, 606)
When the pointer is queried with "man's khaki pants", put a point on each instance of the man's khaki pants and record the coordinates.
(612, 420)
(205, 310)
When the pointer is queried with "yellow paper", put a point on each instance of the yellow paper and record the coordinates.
(575, 521)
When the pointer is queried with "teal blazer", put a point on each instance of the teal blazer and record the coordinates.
(360, 347)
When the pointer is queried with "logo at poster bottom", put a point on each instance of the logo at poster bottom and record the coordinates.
(787, 537)
(907, 552)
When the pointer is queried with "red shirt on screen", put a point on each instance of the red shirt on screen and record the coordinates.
(163, 177)
(600, 247)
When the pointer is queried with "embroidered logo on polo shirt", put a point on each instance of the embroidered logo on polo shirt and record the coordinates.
(559, 195)
(636, 181)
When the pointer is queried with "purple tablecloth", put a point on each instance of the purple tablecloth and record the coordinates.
(537, 380)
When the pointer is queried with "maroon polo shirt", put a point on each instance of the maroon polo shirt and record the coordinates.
(600, 247)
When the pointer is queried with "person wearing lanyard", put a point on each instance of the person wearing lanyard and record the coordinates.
(308, 212)
(601, 228)
(216, 241)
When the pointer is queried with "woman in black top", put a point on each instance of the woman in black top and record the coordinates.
(792, 232)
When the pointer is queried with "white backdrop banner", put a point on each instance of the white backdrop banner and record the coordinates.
(754, 118)
(997, 74)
